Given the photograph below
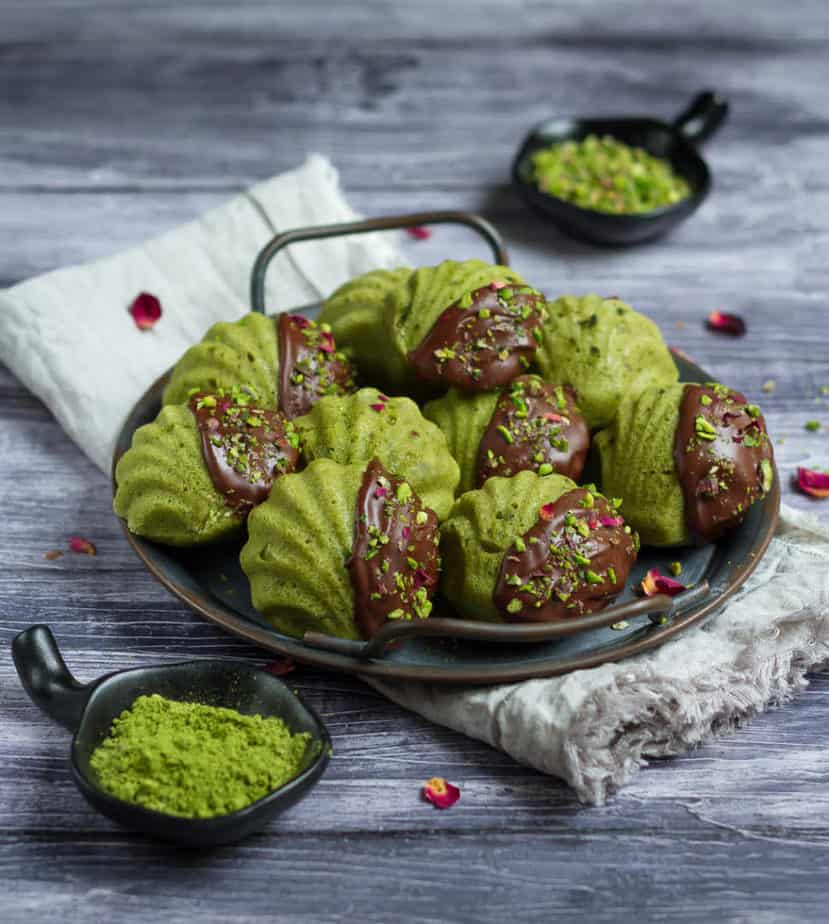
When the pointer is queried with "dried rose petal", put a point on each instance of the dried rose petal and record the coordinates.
(815, 484)
(53, 554)
(612, 521)
(546, 511)
(421, 578)
(497, 284)
(419, 233)
(145, 311)
(553, 418)
(382, 397)
(327, 342)
(380, 492)
(377, 407)
(298, 321)
(82, 546)
(279, 667)
(441, 793)
(405, 532)
(724, 323)
(656, 583)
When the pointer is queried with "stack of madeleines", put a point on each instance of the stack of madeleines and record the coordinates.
(429, 431)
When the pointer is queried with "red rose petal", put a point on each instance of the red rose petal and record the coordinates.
(279, 667)
(611, 521)
(82, 546)
(656, 583)
(546, 511)
(815, 484)
(145, 311)
(327, 342)
(419, 233)
(724, 323)
(441, 793)
(298, 321)
(377, 407)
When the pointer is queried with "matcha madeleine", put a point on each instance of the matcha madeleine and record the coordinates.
(194, 473)
(534, 549)
(288, 362)
(690, 459)
(527, 425)
(342, 549)
(355, 313)
(368, 425)
(605, 350)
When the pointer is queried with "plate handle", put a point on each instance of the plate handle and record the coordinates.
(506, 633)
(701, 117)
(387, 223)
(47, 679)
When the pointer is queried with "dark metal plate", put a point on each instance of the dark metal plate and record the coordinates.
(211, 582)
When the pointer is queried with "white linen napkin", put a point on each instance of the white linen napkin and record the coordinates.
(68, 337)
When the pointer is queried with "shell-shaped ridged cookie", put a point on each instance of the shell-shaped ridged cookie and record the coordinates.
(479, 530)
(413, 308)
(355, 312)
(605, 350)
(463, 419)
(363, 426)
(164, 489)
(243, 352)
(299, 541)
(637, 464)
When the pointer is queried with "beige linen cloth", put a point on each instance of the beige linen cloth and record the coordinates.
(67, 336)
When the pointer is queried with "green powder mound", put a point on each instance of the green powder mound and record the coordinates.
(355, 312)
(480, 529)
(637, 463)
(413, 308)
(298, 544)
(367, 425)
(195, 761)
(164, 489)
(463, 420)
(243, 352)
(605, 350)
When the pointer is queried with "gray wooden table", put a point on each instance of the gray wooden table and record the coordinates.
(119, 120)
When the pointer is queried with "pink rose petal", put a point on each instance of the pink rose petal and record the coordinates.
(656, 583)
(378, 407)
(82, 546)
(145, 311)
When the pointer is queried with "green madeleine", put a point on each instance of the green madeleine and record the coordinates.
(605, 350)
(368, 425)
(637, 462)
(463, 420)
(243, 352)
(299, 541)
(355, 313)
(481, 527)
(164, 489)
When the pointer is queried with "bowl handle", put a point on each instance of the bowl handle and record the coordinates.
(47, 679)
(701, 117)
(389, 223)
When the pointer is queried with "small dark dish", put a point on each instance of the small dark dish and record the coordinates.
(87, 710)
(675, 141)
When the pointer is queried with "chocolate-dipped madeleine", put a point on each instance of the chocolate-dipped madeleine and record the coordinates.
(527, 425)
(342, 549)
(689, 460)
(534, 549)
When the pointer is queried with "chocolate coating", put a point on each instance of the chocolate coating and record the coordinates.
(483, 341)
(572, 561)
(244, 447)
(309, 365)
(394, 564)
(723, 456)
(535, 426)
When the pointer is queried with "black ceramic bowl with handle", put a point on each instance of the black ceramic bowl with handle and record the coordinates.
(87, 710)
(675, 141)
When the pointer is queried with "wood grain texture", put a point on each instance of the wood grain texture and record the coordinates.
(120, 120)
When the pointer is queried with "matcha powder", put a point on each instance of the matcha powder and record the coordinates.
(195, 761)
